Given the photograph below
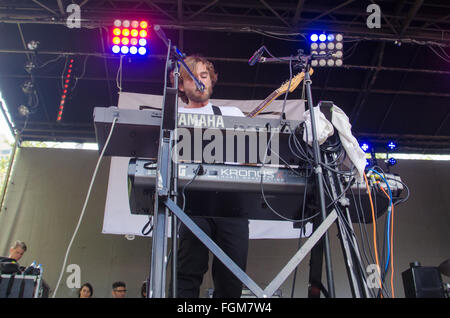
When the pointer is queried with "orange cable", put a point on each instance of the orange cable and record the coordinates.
(374, 230)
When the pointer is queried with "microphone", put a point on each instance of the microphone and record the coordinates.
(160, 33)
(256, 56)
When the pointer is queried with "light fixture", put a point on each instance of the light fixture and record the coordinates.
(392, 145)
(331, 50)
(365, 146)
(23, 110)
(391, 161)
(33, 45)
(29, 66)
(66, 91)
(28, 87)
(130, 37)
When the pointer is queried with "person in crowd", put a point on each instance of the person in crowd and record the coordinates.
(119, 290)
(86, 291)
(16, 251)
(144, 289)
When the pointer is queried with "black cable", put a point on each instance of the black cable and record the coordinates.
(350, 234)
(349, 173)
(196, 173)
(83, 72)
(283, 115)
(302, 230)
(348, 231)
(402, 200)
(365, 229)
(360, 227)
(368, 240)
(262, 187)
(149, 222)
(361, 235)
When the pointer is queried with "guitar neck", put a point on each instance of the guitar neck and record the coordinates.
(264, 104)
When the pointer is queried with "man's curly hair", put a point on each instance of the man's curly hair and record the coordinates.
(191, 62)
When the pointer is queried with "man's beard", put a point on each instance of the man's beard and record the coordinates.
(194, 96)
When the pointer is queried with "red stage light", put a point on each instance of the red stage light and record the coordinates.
(134, 33)
(134, 24)
(125, 41)
(143, 34)
(125, 32)
(116, 40)
(117, 31)
(133, 41)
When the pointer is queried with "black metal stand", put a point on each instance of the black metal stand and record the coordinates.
(319, 179)
(165, 203)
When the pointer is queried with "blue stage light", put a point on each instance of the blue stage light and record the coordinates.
(330, 37)
(124, 49)
(116, 49)
(365, 146)
(392, 145)
(142, 42)
(142, 50)
(133, 50)
(314, 37)
(322, 37)
(392, 161)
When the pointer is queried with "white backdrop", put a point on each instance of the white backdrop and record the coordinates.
(118, 218)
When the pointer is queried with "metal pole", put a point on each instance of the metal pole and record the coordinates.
(319, 175)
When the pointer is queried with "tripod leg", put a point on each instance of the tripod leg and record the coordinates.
(315, 270)
(159, 248)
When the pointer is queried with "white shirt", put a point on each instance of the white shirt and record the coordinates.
(208, 110)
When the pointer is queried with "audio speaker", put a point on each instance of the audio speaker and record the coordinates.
(422, 282)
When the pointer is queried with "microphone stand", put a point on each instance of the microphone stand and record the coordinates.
(305, 62)
(167, 175)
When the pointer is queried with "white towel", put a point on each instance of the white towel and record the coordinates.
(354, 152)
(340, 121)
(324, 128)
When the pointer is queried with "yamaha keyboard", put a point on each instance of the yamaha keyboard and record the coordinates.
(225, 190)
(244, 140)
